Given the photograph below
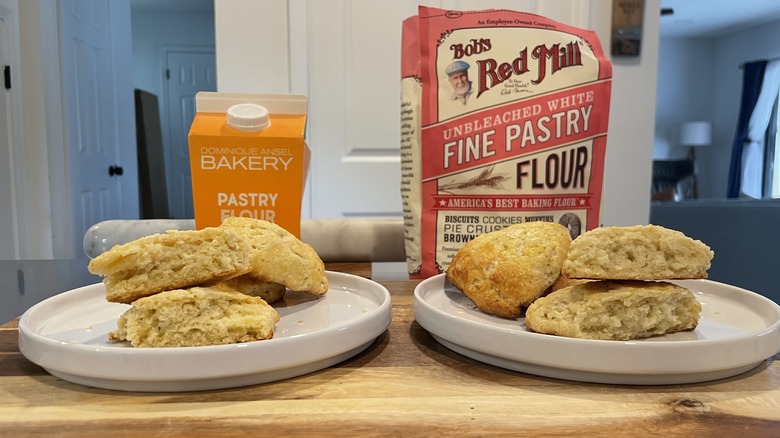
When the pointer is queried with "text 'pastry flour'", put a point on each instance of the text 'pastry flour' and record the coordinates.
(503, 120)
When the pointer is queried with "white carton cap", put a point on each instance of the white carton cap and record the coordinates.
(214, 102)
(248, 117)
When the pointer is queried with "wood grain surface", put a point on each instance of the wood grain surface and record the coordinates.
(405, 384)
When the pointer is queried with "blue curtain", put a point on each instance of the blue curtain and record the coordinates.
(751, 87)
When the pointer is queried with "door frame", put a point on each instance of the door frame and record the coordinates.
(21, 210)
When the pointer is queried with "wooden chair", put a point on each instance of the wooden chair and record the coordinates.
(673, 180)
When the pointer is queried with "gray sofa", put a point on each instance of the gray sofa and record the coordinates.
(744, 234)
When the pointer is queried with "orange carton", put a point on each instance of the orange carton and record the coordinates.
(249, 158)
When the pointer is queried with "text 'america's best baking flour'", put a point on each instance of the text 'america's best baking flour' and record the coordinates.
(503, 120)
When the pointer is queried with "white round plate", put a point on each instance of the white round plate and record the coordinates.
(737, 331)
(67, 335)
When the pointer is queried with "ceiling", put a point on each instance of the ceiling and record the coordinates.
(172, 5)
(691, 18)
(714, 18)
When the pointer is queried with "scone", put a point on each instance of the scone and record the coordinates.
(278, 256)
(503, 270)
(249, 285)
(615, 310)
(648, 252)
(173, 260)
(197, 316)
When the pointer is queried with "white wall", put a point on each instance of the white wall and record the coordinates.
(684, 91)
(702, 78)
(627, 174)
(155, 30)
(35, 221)
(253, 46)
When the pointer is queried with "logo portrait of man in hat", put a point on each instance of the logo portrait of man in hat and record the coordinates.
(458, 77)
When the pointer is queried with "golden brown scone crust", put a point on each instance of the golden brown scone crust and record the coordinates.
(249, 285)
(197, 316)
(173, 260)
(502, 271)
(278, 256)
(641, 252)
(615, 310)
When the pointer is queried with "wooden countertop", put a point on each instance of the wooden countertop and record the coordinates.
(405, 384)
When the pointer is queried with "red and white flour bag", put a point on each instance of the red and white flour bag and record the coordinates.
(503, 120)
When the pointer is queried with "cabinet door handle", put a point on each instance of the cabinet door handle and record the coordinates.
(115, 170)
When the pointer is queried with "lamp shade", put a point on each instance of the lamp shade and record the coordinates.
(695, 133)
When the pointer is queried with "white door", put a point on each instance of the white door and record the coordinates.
(187, 72)
(96, 52)
(353, 72)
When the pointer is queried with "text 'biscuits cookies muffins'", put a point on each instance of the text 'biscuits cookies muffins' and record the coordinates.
(197, 316)
(648, 252)
(615, 310)
(277, 256)
(504, 270)
(173, 260)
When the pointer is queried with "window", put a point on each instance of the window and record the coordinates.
(771, 157)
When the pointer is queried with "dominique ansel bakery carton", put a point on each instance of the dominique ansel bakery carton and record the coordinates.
(249, 158)
(503, 121)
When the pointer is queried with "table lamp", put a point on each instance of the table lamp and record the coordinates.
(693, 135)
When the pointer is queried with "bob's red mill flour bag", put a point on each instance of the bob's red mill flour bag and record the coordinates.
(503, 120)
